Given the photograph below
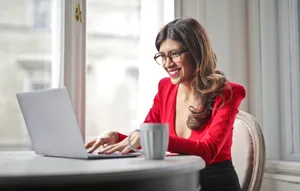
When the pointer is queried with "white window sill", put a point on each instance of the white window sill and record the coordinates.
(285, 171)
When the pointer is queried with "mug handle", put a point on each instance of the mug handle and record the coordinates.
(130, 145)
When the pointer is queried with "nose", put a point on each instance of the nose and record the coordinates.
(168, 62)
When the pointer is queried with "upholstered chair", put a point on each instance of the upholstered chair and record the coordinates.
(248, 151)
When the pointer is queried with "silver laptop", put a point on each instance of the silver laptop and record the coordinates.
(53, 127)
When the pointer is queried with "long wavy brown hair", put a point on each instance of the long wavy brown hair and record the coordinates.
(207, 81)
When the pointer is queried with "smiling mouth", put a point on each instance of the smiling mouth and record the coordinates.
(174, 73)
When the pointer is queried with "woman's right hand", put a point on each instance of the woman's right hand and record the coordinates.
(105, 139)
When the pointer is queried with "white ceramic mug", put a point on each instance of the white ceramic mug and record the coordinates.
(154, 139)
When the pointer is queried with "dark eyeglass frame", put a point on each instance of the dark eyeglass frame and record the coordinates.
(171, 55)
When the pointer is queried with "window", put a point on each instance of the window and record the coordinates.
(112, 52)
(42, 13)
(38, 72)
(25, 66)
(101, 67)
(123, 75)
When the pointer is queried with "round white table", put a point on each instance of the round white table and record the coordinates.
(26, 170)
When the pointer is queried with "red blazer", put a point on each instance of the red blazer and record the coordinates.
(213, 141)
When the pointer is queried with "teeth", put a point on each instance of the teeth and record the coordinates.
(173, 72)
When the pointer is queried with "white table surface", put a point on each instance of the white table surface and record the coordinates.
(28, 165)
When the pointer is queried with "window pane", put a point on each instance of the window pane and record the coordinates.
(112, 59)
(25, 52)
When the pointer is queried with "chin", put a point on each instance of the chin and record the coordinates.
(176, 81)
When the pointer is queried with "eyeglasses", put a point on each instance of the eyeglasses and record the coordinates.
(174, 56)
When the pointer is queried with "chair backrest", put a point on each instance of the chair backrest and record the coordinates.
(248, 151)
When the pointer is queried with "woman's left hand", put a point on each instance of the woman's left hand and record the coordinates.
(123, 146)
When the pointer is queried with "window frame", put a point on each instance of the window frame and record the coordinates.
(69, 63)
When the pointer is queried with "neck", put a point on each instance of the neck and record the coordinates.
(187, 91)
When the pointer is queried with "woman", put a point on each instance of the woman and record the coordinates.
(196, 100)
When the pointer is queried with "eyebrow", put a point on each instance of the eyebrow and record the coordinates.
(172, 50)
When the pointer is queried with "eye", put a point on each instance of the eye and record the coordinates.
(159, 55)
(174, 54)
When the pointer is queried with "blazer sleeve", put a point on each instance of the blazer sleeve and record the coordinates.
(153, 115)
(220, 128)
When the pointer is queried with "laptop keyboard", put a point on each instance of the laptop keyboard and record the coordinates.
(113, 155)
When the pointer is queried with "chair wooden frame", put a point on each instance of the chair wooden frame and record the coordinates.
(255, 170)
